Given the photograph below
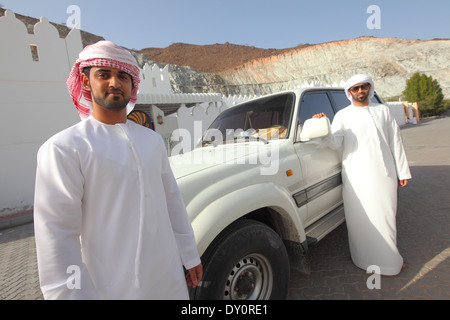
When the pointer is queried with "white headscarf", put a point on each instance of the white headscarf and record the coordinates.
(101, 54)
(359, 79)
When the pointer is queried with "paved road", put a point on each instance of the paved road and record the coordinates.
(423, 232)
(423, 238)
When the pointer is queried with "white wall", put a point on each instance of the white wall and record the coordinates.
(155, 80)
(34, 102)
(401, 111)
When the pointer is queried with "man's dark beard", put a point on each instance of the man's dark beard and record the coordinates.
(116, 105)
(364, 98)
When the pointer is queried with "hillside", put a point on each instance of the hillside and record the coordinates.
(390, 61)
(213, 58)
(250, 70)
(243, 70)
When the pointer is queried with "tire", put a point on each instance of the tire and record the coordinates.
(247, 261)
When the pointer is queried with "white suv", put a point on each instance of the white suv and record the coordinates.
(260, 190)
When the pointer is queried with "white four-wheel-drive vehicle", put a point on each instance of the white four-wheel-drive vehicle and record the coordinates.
(260, 189)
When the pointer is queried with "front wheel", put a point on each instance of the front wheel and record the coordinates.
(247, 261)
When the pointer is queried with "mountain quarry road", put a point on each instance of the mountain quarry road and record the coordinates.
(423, 231)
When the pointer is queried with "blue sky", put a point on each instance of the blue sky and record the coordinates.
(138, 24)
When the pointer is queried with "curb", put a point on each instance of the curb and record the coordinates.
(16, 219)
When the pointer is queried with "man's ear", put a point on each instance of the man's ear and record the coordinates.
(85, 82)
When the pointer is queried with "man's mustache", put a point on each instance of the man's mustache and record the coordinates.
(115, 91)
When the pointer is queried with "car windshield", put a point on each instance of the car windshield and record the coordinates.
(262, 119)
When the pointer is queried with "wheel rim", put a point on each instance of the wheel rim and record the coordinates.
(250, 279)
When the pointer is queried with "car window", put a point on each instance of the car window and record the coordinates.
(376, 99)
(266, 118)
(340, 99)
(313, 103)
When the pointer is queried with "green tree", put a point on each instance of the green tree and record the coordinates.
(426, 92)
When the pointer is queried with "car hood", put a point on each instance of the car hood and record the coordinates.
(254, 153)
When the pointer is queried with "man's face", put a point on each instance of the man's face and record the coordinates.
(360, 92)
(110, 88)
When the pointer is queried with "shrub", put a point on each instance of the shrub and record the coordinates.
(427, 93)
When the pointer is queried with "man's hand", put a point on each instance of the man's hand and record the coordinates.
(319, 115)
(194, 276)
(402, 183)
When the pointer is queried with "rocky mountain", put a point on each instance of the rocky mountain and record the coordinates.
(233, 69)
(212, 58)
(389, 61)
(249, 70)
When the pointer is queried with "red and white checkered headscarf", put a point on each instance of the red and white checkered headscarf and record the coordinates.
(101, 54)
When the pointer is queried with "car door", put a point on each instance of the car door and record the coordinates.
(321, 166)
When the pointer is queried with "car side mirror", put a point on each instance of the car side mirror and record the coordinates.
(315, 128)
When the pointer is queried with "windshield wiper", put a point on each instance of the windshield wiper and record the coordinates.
(207, 143)
(265, 141)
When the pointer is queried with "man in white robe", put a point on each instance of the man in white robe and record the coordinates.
(374, 164)
(110, 222)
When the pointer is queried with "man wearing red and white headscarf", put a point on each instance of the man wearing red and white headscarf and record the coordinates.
(110, 222)
(374, 164)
